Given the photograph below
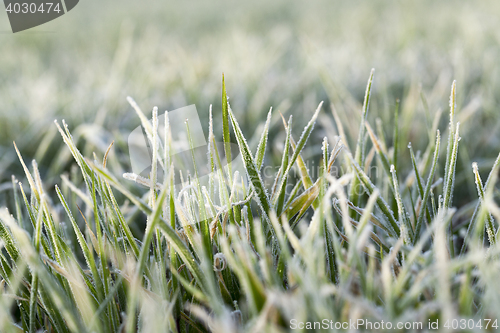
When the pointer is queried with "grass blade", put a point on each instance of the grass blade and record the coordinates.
(360, 145)
(404, 223)
(251, 167)
(490, 227)
(381, 203)
(428, 187)
(225, 129)
(261, 148)
(491, 175)
(300, 145)
(449, 148)
(280, 199)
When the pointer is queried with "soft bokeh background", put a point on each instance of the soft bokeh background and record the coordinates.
(286, 54)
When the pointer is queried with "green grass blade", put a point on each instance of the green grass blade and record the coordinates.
(89, 258)
(153, 221)
(251, 168)
(302, 202)
(449, 148)
(396, 134)
(34, 280)
(300, 145)
(380, 153)
(304, 172)
(340, 127)
(404, 223)
(210, 153)
(415, 170)
(449, 182)
(225, 128)
(28, 173)
(280, 198)
(9, 242)
(428, 187)
(204, 227)
(148, 128)
(17, 201)
(450, 173)
(360, 145)
(261, 148)
(381, 203)
(419, 186)
(490, 227)
(491, 175)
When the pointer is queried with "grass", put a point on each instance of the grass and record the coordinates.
(379, 232)
(242, 256)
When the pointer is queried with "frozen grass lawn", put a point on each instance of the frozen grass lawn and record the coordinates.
(385, 210)
(237, 256)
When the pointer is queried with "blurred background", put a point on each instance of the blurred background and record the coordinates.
(286, 54)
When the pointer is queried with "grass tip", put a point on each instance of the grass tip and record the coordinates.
(474, 167)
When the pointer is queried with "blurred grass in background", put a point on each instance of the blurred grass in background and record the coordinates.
(284, 54)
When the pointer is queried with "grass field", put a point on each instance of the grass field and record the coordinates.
(382, 200)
